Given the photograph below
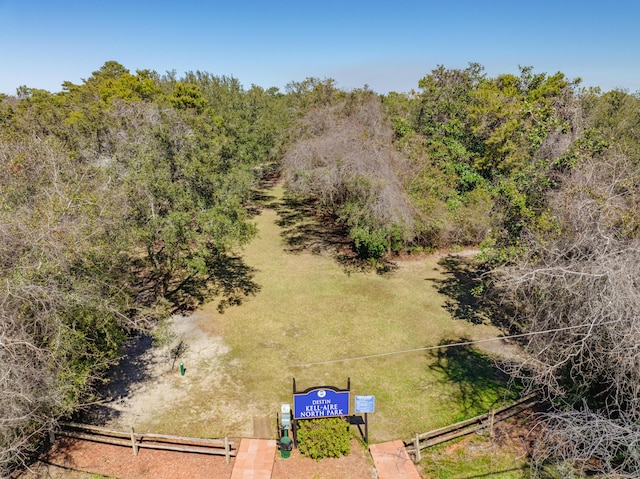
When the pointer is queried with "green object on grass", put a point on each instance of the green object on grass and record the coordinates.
(285, 445)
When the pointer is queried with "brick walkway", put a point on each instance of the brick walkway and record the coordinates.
(254, 459)
(392, 461)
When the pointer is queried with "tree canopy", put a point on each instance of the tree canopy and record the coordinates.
(120, 198)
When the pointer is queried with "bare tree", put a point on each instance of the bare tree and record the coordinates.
(54, 302)
(577, 292)
(345, 158)
(30, 395)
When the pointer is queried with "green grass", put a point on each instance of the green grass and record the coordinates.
(311, 308)
(473, 459)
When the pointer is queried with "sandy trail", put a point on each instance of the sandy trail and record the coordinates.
(148, 382)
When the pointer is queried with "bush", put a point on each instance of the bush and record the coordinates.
(320, 438)
(368, 243)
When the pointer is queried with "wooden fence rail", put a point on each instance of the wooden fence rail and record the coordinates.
(136, 440)
(469, 426)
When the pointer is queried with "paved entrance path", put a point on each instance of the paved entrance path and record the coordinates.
(392, 461)
(254, 459)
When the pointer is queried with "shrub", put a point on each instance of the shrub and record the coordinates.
(368, 243)
(320, 438)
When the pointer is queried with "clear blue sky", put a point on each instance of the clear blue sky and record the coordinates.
(386, 45)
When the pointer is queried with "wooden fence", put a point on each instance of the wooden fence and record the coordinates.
(469, 426)
(136, 440)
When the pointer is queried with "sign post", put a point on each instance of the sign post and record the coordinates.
(365, 404)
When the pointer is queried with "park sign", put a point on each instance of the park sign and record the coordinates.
(320, 402)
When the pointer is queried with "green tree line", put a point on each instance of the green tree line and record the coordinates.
(465, 160)
(122, 200)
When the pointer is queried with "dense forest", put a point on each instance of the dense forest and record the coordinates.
(126, 198)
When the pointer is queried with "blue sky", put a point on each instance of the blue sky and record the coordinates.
(386, 45)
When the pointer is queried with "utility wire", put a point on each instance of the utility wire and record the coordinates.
(463, 343)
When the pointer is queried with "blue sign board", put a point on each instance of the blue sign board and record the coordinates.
(365, 404)
(320, 403)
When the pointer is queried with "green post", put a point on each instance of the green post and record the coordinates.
(285, 445)
(181, 369)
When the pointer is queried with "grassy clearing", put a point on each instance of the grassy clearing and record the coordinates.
(311, 309)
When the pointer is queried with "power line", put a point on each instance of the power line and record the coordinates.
(462, 343)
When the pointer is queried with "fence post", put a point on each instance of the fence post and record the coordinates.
(416, 444)
(52, 436)
(492, 414)
(133, 442)
(227, 449)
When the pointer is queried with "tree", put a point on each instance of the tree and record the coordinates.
(434, 133)
(184, 203)
(345, 160)
(613, 117)
(63, 304)
(314, 93)
(250, 124)
(575, 291)
(117, 207)
(513, 116)
(444, 113)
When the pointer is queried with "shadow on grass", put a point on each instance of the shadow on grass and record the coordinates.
(233, 280)
(304, 229)
(463, 286)
(130, 372)
(228, 277)
(477, 378)
(259, 199)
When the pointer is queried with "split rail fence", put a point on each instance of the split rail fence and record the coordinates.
(469, 426)
(136, 440)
